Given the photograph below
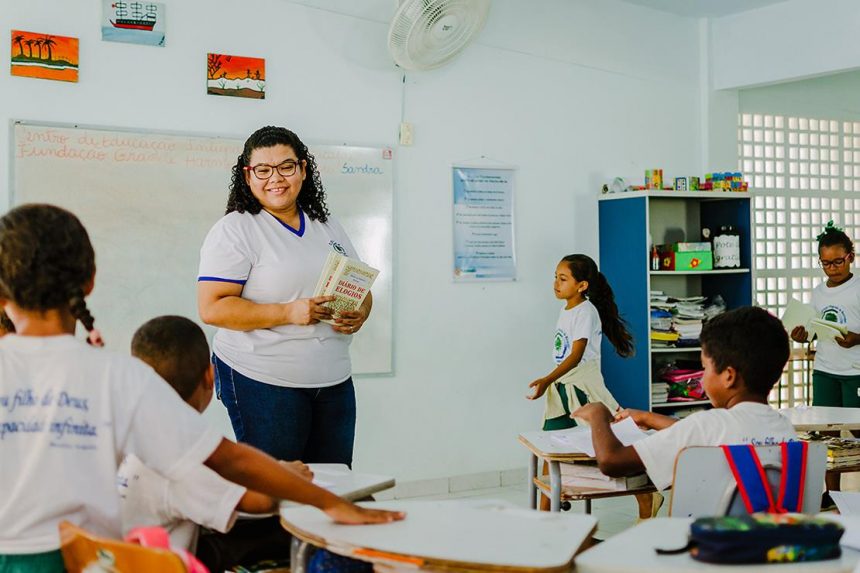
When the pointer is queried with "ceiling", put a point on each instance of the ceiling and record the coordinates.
(704, 8)
(383, 10)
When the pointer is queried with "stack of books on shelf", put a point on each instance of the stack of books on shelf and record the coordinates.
(659, 393)
(586, 476)
(677, 322)
(841, 452)
(662, 335)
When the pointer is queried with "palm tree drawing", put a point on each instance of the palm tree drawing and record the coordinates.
(39, 45)
(48, 42)
(29, 47)
(19, 40)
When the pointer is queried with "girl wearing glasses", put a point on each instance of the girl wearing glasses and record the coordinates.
(284, 376)
(836, 376)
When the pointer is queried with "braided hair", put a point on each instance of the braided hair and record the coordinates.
(311, 198)
(46, 259)
(583, 268)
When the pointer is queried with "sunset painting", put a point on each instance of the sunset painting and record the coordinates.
(236, 76)
(44, 56)
(133, 22)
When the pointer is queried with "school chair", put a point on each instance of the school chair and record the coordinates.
(704, 485)
(81, 548)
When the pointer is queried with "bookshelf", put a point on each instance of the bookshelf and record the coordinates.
(629, 223)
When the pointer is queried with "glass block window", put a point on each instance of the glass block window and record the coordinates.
(803, 172)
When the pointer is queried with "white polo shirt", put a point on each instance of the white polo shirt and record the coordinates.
(275, 263)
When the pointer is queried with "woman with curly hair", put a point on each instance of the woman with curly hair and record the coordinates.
(284, 376)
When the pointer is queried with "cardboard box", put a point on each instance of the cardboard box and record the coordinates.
(686, 261)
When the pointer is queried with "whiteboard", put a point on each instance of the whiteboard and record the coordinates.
(148, 199)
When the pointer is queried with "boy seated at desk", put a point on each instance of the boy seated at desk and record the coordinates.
(177, 350)
(743, 354)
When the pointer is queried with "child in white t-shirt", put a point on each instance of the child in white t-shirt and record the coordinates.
(70, 412)
(836, 374)
(743, 354)
(589, 313)
(177, 350)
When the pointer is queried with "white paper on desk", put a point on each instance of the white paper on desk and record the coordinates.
(323, 484)
(626, 431)
(847, 502)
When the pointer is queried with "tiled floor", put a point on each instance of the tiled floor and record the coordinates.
(614, 514)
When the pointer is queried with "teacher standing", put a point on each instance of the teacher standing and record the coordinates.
(284, 376)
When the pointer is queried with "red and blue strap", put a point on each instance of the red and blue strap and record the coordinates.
(793, 475)
(750, 478)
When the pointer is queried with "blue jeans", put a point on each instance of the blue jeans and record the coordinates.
(314, 425)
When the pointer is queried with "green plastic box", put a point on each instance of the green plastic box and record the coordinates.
(686, 261)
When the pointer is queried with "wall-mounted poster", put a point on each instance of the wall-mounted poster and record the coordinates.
(44, 56)
(133, 22)
(483, 223)
(236, 76)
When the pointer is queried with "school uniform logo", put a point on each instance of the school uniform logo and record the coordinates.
(834, 314)
(561, 347)
(338, 248)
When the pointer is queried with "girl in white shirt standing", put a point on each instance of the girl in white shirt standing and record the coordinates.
(836, 376)
(589, 313)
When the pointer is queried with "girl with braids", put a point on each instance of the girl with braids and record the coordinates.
(70, 412)
(589, 314)
(284, 376)
(836, 376)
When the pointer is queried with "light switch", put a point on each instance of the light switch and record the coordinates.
(405, 133)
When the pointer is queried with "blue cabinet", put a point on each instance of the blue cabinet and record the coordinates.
(629, 224)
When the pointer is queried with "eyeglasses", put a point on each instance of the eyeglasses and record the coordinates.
(834, 263)
(265, 171)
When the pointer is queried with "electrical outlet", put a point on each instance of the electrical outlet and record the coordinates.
(406, 134)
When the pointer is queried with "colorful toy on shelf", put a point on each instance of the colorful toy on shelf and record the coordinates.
(726, 181)
(653, 178)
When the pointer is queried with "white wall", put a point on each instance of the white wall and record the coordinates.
(567, 90)
(785, 41)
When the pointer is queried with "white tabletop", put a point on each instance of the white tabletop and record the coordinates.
(542, 444)
(818, 418)
(634, 550)
(458, 534)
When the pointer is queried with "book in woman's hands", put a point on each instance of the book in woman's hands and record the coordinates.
(348, 280)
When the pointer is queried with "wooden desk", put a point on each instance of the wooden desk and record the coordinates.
(822, 418)
(542, 447)
(634, 550)
(483, 535)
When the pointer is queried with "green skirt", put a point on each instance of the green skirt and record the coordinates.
(48, 562)
(564, 422)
